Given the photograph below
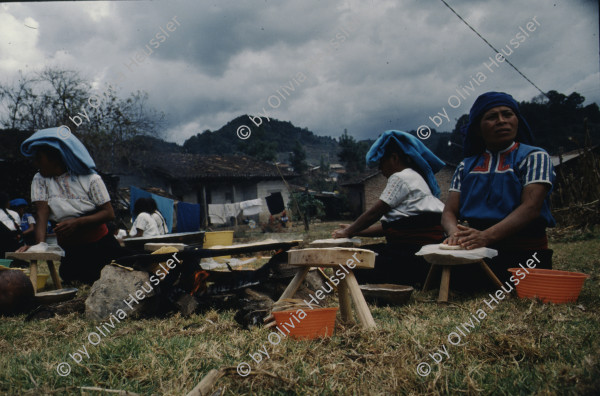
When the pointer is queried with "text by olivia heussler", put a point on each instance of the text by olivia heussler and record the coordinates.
(463, 329)
(104, 329)
(274, 338)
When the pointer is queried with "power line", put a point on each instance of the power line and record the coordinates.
(494, 48)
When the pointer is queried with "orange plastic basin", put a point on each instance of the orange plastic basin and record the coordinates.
(318, 322)
(554, 286)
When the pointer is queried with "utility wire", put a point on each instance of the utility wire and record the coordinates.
(492, 47)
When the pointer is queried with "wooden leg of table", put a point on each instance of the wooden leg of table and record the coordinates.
(490, 273)
(33, 274)
(429, 278)
(54, 274)
(295, 283)
(362, 309)
(345, 303)
(444, 284)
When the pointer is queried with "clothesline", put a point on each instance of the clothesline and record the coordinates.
(221, 213)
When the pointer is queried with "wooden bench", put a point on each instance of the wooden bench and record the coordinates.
(33, 259)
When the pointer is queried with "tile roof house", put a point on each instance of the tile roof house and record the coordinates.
(208, 179)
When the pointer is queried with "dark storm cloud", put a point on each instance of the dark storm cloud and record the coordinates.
(364, 66)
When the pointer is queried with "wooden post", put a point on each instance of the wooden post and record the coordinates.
(429, 278)
(233, 201)
(205, 204)
(362, 309)
(33, 274)
(444, 284)
(292, 288)
(54, 274)
(490, 273)
(206, 384)
(345, 303)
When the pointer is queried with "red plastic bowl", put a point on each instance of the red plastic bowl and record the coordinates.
(318, 322)
(554, 286)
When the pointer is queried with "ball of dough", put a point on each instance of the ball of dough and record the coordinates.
(443, 246)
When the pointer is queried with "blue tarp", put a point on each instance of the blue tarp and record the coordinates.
(188, 217)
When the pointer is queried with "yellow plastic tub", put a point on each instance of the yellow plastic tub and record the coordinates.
(218, 238)
(41, 280)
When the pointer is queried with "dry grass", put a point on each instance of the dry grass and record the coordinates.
(521, 347)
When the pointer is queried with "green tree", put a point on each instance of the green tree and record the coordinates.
(103, 121)
(298, 158)
(352, 153)
(319, 179)
(261, 150)
(307, 204)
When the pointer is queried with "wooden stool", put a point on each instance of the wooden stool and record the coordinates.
(442, 261)
(33, 259)
(348, 287)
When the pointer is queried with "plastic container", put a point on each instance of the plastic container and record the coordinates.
(218, 238)
(221, 238)
(318, 322)
(5, 262)
(41, 280)
(554, 286)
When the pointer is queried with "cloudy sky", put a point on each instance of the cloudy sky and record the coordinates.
(367, 66)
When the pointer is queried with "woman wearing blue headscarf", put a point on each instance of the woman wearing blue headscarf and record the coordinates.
(407, 213)
(68, 191)
(501, 188)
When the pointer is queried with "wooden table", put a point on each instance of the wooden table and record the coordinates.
(194, 237)
(215, 251)
(348, 289)
(34, 259)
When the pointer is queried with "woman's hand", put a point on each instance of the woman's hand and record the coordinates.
(452, 240)
(341, 232)
(22, 249)
(470, 238)
(66, 228)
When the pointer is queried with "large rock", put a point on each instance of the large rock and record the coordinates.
(114, 286)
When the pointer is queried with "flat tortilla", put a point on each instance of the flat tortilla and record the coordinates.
(443, 246)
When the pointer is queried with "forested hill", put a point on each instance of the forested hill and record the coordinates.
(557, 123)
(271, 140)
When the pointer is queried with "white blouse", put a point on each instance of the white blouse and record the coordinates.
(69, 196)
(10, 221)
(408, 194)
(146, 223)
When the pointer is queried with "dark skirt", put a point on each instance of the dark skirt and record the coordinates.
(84, 262)
(396, 264)
(396, 261)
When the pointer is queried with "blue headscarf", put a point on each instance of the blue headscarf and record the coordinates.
(473, 143)
(427, 162)
(73, 152)
(18, 202)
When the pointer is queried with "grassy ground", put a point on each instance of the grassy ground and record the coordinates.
(521, 347)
